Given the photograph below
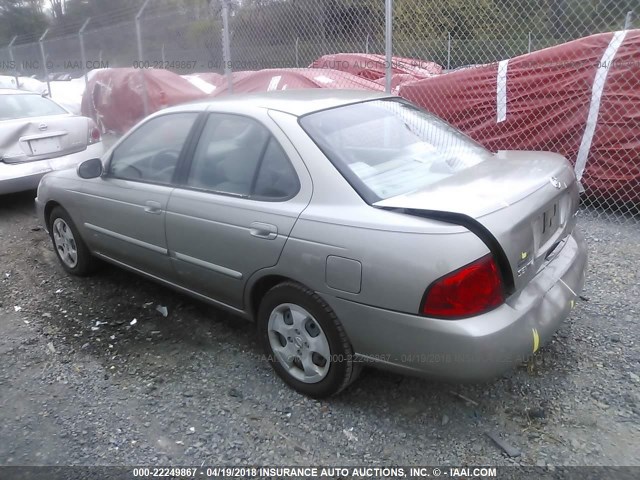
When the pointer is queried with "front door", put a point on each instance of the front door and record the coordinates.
(124, 210)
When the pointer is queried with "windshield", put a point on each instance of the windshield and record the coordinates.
(26, 105)
(389, 147)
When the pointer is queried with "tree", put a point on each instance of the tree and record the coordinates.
(102, 12)
(19, 17)
(57, 8)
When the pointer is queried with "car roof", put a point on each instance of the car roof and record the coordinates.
(295, 102)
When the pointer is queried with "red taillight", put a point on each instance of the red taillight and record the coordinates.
(471, 290)
(94, 133)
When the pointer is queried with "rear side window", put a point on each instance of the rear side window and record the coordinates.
(237, 155)
(27, 106)
(386, 148)
(276, 178)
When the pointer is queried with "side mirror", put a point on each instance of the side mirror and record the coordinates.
(90, 168)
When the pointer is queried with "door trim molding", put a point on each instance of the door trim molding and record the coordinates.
(175, 286)
(124, 238)
(209, 266)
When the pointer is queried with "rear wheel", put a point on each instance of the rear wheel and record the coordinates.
(69, 246)
(305, 342)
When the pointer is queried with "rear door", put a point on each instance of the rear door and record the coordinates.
(240, 198)
(124, 210)
(35, 128)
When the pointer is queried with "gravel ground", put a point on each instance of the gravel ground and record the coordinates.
(81, 385)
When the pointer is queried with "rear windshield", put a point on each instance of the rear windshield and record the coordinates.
(390, 147)
(27, 105)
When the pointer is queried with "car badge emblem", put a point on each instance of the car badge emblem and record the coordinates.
(42, 127)
(555, 182)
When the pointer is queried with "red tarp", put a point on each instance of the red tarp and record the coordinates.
(295, 78)
(547, 99)
(113, 96)
(220, 80)
(397, 80)
(213, 78)
(372, 66)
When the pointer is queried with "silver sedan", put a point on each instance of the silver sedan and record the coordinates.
(354, 228)
(38, 136)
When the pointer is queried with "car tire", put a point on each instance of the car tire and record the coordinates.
(288, 308)
(72, 252)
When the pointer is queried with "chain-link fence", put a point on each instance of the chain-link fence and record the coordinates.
(110, 46)
(512, 74)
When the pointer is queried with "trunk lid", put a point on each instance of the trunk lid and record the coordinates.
(39, 138)
(526, 200)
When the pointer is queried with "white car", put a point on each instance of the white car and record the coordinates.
(38, 136)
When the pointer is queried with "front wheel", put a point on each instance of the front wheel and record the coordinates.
(69, 246)
(305, 342)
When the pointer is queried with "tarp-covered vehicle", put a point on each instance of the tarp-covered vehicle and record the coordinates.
(373, 66)
(579, 99)
(293, 79)
(115, 97)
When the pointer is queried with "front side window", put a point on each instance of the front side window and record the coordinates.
(390, 147)
(237, 155)
(27, 105)
(151, 152)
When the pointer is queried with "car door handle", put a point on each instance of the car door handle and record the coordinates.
(263, 230)
(152, 207)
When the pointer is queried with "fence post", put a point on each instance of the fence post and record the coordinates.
(529, 42)
(13, 60)
(366, 45)
(226, 45)
(627, 20)
(297, 52)
(388, 42)
(44, 61)
(82, 52)
(164, 61)
(323, 26)
(145, 100)
(448, 50)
